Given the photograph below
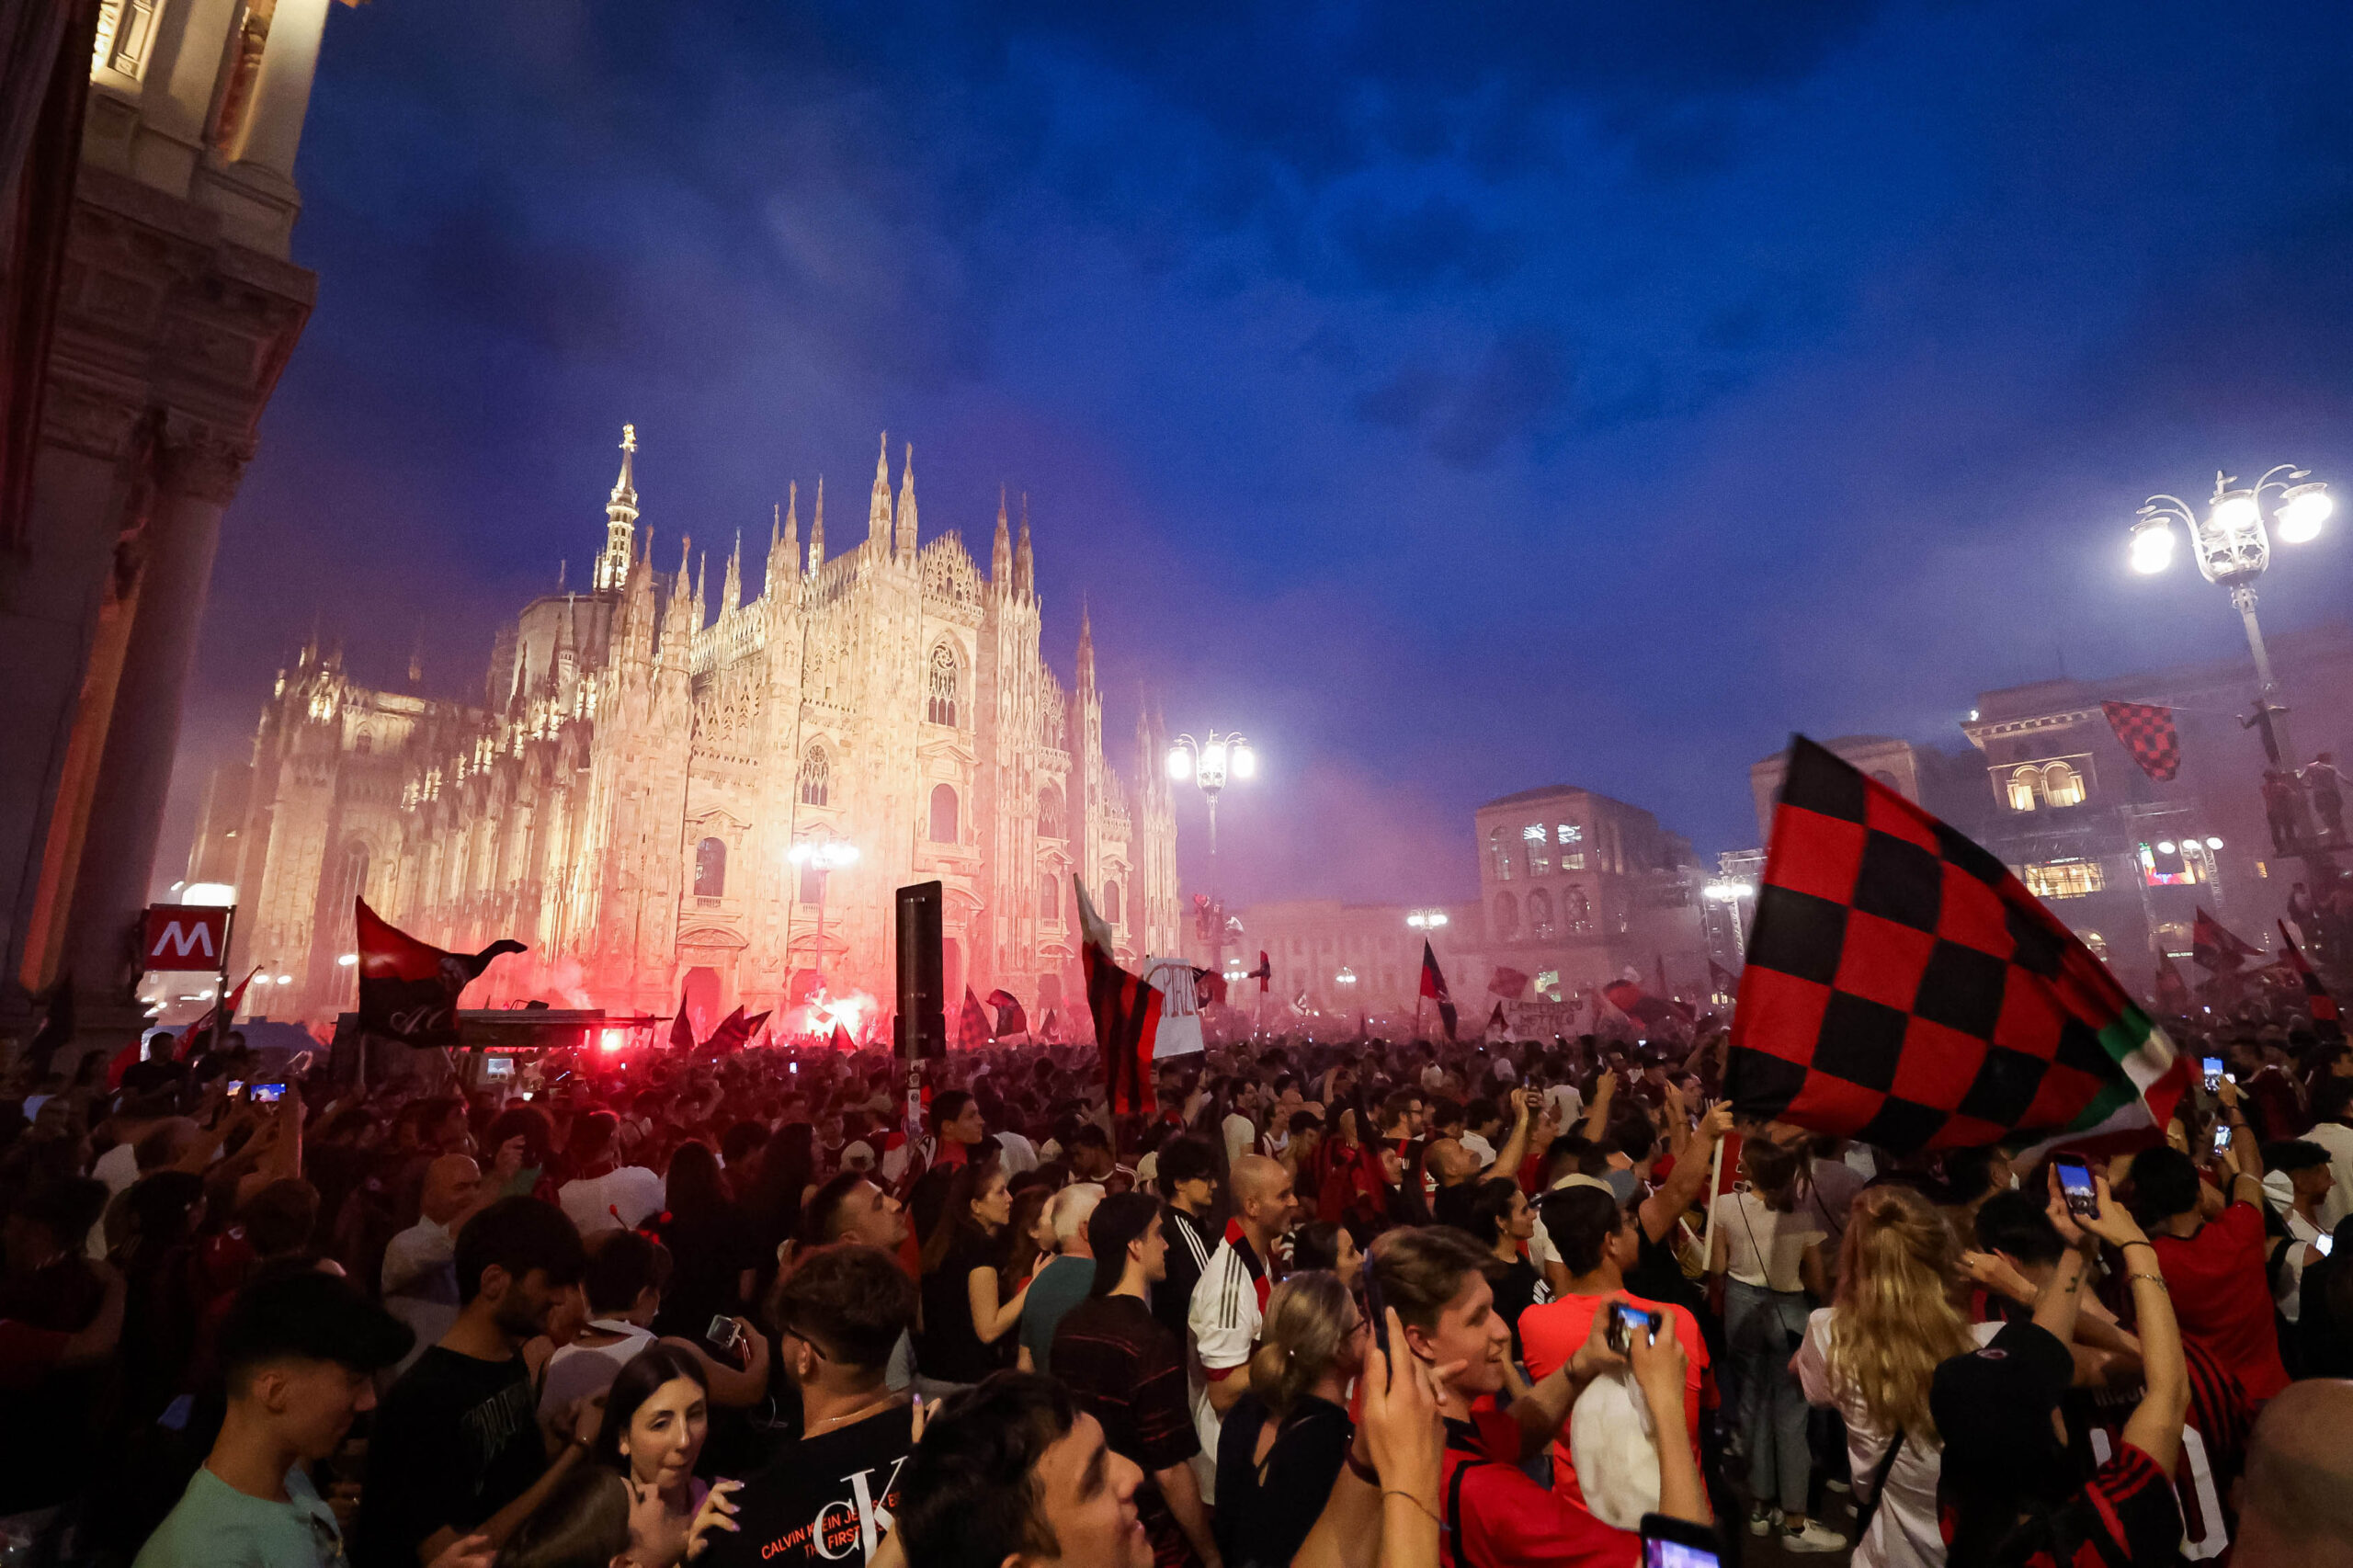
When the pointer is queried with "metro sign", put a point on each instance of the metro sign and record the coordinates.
(184, 935)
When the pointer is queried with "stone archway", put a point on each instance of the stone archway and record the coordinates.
(701, 995)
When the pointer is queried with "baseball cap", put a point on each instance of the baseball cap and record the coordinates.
(1993, 1409)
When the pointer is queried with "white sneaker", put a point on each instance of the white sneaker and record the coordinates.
(1815, 1536)
(1761, 1521)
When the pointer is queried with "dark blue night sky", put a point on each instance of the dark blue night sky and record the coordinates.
(1456, 399)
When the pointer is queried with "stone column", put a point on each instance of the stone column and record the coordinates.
(199, 467)
(272, 125)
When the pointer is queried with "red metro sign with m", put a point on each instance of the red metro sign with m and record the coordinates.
(184, 935)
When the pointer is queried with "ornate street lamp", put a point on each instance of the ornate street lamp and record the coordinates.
(1206, 763)
(823, 856)
(1425, 919)
(2231, 544)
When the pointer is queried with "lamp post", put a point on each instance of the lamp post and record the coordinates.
(823, 856)
(2231, 545)
(1206, 763)
(1425, 919)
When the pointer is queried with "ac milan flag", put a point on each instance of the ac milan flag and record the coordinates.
(1264, 973)
(1127, 1014)
(973, 1024)
(733, 1032)
(2148, 732)
(682, 1028)
(1434, 989)
(2214, 949)
(1508, 983)
(1653, 1012)
(2318, 1001)
(409, 989)
(215, 1022)
(1208, 986)
(1010, 1018)
(2173, 991)
(1905, 989)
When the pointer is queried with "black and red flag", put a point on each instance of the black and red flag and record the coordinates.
(1208, 986)
(2173, 991)
(2326, 1022)
(1905, 989)
(216, 1018)
(1722, 981)
(1264, 974)
(1127, 1014)
(1434, 989)
(1010, 1018)
(409, 989)
(2214, 949)
(1495, 1024)
(733, 1032)
(974, 1023)
(1652, 1012)
(1508, 981)
(2148, 732)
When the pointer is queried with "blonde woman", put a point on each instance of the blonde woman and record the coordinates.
(1286, 1439)
(1872, 1355)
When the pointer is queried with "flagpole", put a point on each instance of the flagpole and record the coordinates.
(228, 934)
(1715, 1180)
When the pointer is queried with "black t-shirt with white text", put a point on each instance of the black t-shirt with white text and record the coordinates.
(828, 1499)
(457, 1439)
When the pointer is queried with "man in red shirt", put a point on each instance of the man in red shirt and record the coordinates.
(1598, 1243)
(1435, 1280)
(2215, 1262)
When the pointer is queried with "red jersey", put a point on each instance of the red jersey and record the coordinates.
(1497, 1518)
(2221, 1294)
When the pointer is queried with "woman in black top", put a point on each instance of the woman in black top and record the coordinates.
(1284, 1441)
(710, 1237)
(968, 1321)
(1503, 1221)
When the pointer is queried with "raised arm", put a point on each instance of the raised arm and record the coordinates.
(1689, 1178)
(2154, 1426)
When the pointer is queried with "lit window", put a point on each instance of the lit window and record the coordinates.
(1540, 855)
(817, 776)
(1540, 913)
(943, 814)
(1576, 909)
(942, 707)
(2063, 878)
(1049, 897)
(2023, 784)
(2062, 785)
(1049, 812)
(711, 868)
(1499, 854)
(1507, 916)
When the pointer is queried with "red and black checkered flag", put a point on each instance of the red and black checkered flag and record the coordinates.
(1905, 989)
(2317, 1001)
(2148, 732)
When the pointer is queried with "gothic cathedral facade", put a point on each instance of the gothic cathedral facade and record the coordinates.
(665, 803)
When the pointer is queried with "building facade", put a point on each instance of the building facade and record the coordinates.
(651, 786)
(1347, 958)
(147, 310)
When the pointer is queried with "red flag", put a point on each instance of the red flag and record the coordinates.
(1434, 989)
(215, 1021)
(1208, 986)
(841, 1038)
(1127, 1014)
(1264, 973)
(409, 989)
(2323, 1006)
(1508, 983)
(2213, 948)
(1010, 1018)
(733, 1031)
(2173, 991)
(973, 1023)
(1652, 1012)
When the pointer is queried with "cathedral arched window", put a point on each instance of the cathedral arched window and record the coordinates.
(1049, 896)
(1539, 914)
(2024, 784)
(1049, 814)
(1111, 903)
(2062, 785)
(943, 814)
(941, 708)
(1507, 916)
(711, 868)
(1499, 854)
(816, 776)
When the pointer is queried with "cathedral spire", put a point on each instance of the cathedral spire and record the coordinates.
(1025, 576)
(621, 519)
(905, 543)
(817, 530)
(731, 592)
(1001, 552)
(1085, 648)
(878, 507)
(702, 576)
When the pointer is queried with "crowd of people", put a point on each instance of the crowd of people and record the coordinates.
(1327, 1303)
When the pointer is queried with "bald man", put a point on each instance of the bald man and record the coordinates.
(421, 1263)
(2296, 1510)
(1229, 1299)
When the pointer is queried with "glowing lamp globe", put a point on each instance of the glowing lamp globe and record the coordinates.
(2152, 546)
(1246, 762)
(2301, 515)
(1180, 763)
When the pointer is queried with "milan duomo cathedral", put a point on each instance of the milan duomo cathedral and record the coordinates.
(629, 796)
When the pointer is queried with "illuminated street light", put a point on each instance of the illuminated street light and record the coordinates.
(285, 980)
(1425, 919)
(2233, 548)
(1206, 763)
(1727, 892)
(2213, 844)
(344, 960)
(1346, 977)
(825, 856)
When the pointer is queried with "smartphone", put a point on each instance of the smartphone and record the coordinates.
(499, 1067)
(725, 1335)
(265, 1094)
(1678, 1544)
(236, 1088)
(1619, 1333)
(1375, 1310)
(2213, 1068)
(2221, 1137)
(2076, 1184)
